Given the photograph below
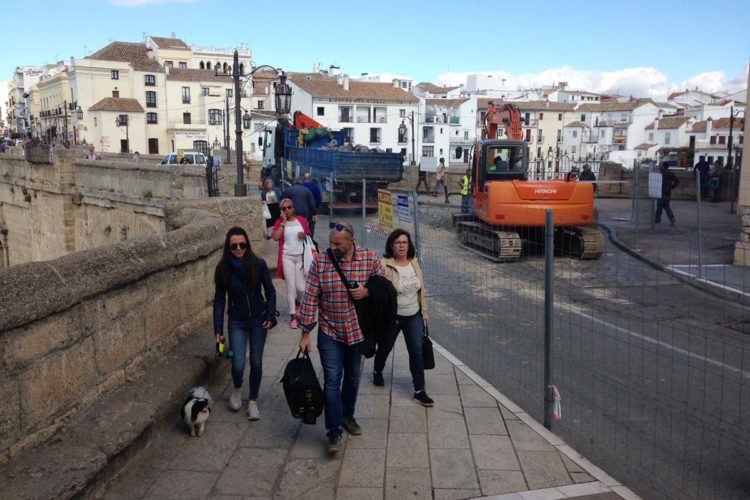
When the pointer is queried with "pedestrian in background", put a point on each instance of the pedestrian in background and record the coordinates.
(588, 175)
(703, 168)
(303, 201)
(668, 183)
(271, 196)
(339, 333)
(422, 179)
(402, 269)
(311, 185)
(465, 196)
(245, 278)
(290, 231)
(440, 180)
(714, 180)
(136, 158)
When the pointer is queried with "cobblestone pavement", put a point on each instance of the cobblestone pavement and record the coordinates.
(473, 443)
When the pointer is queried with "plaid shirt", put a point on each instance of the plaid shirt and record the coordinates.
(327, 294)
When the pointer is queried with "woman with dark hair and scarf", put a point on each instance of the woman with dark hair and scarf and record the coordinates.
(240, 274)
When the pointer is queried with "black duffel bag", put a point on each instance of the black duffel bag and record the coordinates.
(302, 389)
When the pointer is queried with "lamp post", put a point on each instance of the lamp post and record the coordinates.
(283, 104)
(402, 132)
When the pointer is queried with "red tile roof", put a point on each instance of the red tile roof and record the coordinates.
(329, 87)
(723, 124)
(699, 126)
(120, 104)
(575, 125)
(669, 123)
(527, 105)
(644, 146)
(169, 43)
(435, 89)
(445, 102)
(604, 107)
(132, 53)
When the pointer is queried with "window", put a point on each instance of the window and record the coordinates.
(559, 135)
(539, 152)
(122, 120)
(722, 139)
(583, 118)
(575, 134)
(115, 93)
(623, 117)
(259, 105)
(402, 113)
(320, 111)
(95, 122)
(153, 146)
(539, 137)
(185, 95)
(375, 135)
(348, 134)
(183, 65)
(168, 64)
(667, 137)
(403, 152)
(713, 139)
(428, 151)
(115, 74)
(541, 116)
(466, 135)
(601, 133)
(229, 92)
(186, 118)
(528, 134)
(650, 136)
(573, 149)
(527, 118)
(149, 80)
(205, 91)
(345, 114)
(215, 117)
(150, 99)
(559, 117)
(151, 118)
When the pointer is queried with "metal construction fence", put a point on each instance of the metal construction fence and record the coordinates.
(648, 343)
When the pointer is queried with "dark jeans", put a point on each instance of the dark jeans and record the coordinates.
(311, 223)
(466, 204)
(438, 185)
(340, 362)
(239, 334)
(422, 180)
(413, 328)
(663, 204)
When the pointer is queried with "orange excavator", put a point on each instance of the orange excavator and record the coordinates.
(509, 209)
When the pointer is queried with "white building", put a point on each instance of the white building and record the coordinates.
(710, 138)
(369, 113)
(669, 132)
(427, 90)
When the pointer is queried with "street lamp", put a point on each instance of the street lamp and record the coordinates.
(283, 104)
(402, 133)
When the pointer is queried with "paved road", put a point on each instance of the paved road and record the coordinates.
(654, 374)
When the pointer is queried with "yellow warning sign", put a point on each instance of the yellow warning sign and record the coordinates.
(385, 209)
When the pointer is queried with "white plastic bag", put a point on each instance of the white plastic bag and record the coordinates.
(266, 211)
(308, 254)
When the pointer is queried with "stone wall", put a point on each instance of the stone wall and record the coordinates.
(77, 327)
(47, 211)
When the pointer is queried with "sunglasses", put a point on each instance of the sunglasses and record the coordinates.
(339, 228)
(238, 246)
(287, 207)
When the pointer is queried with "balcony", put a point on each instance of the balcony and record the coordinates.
(363, 119)
(381, 119)
(606, 122)
(619, 139)
(185, 100)
(531, 123)
(345, 119)
(430, 139)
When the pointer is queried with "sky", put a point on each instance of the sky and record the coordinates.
(646, 48)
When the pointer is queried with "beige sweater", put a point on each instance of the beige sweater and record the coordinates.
(392, 274)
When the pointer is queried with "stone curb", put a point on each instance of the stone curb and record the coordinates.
(90, 452)
(701, 284)
(602, 477)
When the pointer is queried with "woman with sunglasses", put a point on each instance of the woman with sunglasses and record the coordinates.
(241, 275)
(402, 268)
(291, 231)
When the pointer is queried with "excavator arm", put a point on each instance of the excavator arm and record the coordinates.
(507, 118)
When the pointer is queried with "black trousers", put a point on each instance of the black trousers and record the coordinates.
(663, 204)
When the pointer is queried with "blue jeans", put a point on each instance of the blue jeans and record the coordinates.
(466, 204)
(339, 361)
(413, 329)
(239, 334)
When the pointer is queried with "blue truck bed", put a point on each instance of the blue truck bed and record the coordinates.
(346, 166)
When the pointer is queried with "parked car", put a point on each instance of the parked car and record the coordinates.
(191, 157)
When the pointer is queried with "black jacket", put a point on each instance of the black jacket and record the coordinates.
(246, 304)
(668, 183)
(377, 313)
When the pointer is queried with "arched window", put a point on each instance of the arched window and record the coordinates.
(201, 65)
(242, 68)
(225, 67)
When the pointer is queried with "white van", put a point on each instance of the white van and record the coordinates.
(191, 157)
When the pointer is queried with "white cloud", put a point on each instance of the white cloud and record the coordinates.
(138, 3)
(638, 82)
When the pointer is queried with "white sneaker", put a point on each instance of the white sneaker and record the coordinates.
(252, 411)
(235, 400)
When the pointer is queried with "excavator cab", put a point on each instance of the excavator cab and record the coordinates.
(501, 160)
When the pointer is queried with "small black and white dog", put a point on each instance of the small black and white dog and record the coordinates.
(196, 409)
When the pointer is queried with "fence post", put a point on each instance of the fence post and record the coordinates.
(331, 198)
(636, 197)
(549, 272)
(364, 212)
(700, 232)
(417, 239)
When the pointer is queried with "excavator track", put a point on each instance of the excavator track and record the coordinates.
(579, 242)
(490, 243)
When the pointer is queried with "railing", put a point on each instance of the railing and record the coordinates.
(612, 123)
(38, 153)
(345, 119)
(363, 119)
(428, 140)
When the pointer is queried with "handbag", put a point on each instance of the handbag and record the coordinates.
(309, 252)
(266, 211)
(428, 357)
(302, 389)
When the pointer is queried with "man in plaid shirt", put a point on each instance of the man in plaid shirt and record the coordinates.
(339, 333)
